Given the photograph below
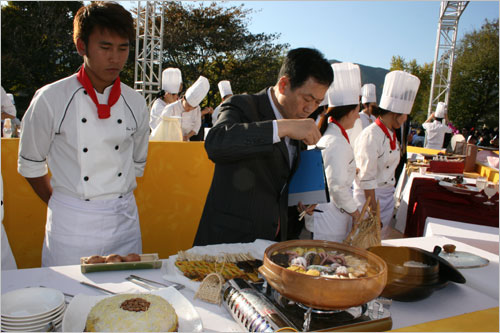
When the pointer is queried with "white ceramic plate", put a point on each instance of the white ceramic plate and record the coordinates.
(27, 303)
(34, 320)
(80, 306)
(464, 190)
(33, 327)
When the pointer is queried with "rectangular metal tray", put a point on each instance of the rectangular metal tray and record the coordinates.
(148, 261)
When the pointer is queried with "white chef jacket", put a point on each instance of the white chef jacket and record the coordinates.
(89, 158)
(435, 134)
(366, 119)
(215, 115)
(334, 223)
(375, 159)
(190, 121)
(156, 111)
(7, 105)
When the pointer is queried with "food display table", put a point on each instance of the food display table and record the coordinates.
(421, 196)
(455, 299)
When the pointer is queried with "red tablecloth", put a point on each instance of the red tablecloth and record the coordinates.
(428, 198)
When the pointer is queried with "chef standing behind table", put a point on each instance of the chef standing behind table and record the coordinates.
(376, 149)
(335, 220)
(188, 108)
(171, 85)
(225, 92)
(435, 128)
(92, 131)
(369, 101)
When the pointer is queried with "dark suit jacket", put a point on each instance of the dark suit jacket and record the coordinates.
(249, 191)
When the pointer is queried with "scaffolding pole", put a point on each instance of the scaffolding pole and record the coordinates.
(149, 48)
(449, 16)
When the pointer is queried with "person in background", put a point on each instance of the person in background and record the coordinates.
(435, 127)
(418, 138)
(376, 150)
(171, 86)
(255, 145)
(8, 112)
(188, 108)
(337, 217)
(369, 101)
(225, 92)
(92, 131)
(8, 260)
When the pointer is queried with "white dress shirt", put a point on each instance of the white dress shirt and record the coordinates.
(89, 158)
(190, 121)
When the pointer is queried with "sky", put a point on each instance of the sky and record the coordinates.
(363, 32)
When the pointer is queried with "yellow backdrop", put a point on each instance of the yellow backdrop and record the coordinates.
(170, 197)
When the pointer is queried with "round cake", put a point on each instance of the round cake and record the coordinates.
(132, 313)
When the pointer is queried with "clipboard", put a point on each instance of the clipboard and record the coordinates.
(308, 184)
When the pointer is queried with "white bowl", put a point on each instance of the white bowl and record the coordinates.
(36, 320)
(28, 303)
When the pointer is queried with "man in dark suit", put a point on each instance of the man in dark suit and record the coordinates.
(255, 146)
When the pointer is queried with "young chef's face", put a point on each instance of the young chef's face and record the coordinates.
(302, 101)
(399, 120)
(105, 55)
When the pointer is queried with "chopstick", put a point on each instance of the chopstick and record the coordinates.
(177, 286)
(304, 212)
(97, 287)
(141, 284)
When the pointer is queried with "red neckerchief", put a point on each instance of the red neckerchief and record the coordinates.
(103, 110)
(386, 131)
(344, 133)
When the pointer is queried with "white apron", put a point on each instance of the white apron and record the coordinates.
(331, 225)
(386, 197)
(76, 228)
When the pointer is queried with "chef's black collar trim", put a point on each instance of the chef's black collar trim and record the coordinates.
(132, 112)
(28, 159)
(66, 109)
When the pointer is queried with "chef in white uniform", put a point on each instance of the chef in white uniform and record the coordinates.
(369, 101)
(171, 85)
(377, 151)
(188, 108)
(225, 92)
(435, 128)
(335, 220)
(8, 108)
(92, 132)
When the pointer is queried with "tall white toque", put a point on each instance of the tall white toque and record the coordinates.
(369, 93)
(346, 85)
(440, 110)
(400, 90)
(197, 92)
(225, 88)
(171, 80)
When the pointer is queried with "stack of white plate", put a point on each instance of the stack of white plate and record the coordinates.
(32, 309)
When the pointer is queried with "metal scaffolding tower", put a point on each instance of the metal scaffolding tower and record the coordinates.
(148, 48)
(445, 51)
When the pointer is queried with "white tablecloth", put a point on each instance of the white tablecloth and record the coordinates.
(454, 299)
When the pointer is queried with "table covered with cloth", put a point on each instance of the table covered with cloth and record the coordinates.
(428, 198)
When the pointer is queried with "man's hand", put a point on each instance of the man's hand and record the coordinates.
(299, 129)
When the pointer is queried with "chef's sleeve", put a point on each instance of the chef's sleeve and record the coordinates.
(337, 163)
(366, 153)
(36, 137)
(196, 120)
(141, 141)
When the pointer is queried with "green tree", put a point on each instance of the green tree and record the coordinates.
(214, 41)
(37, 46)
(474, 85)
(424, 73)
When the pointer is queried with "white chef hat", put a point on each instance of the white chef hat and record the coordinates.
(400, 90)
(171, 80)
(440, 110)
(346, 85)
(197, 92)
(368, 93)
(225, 88)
